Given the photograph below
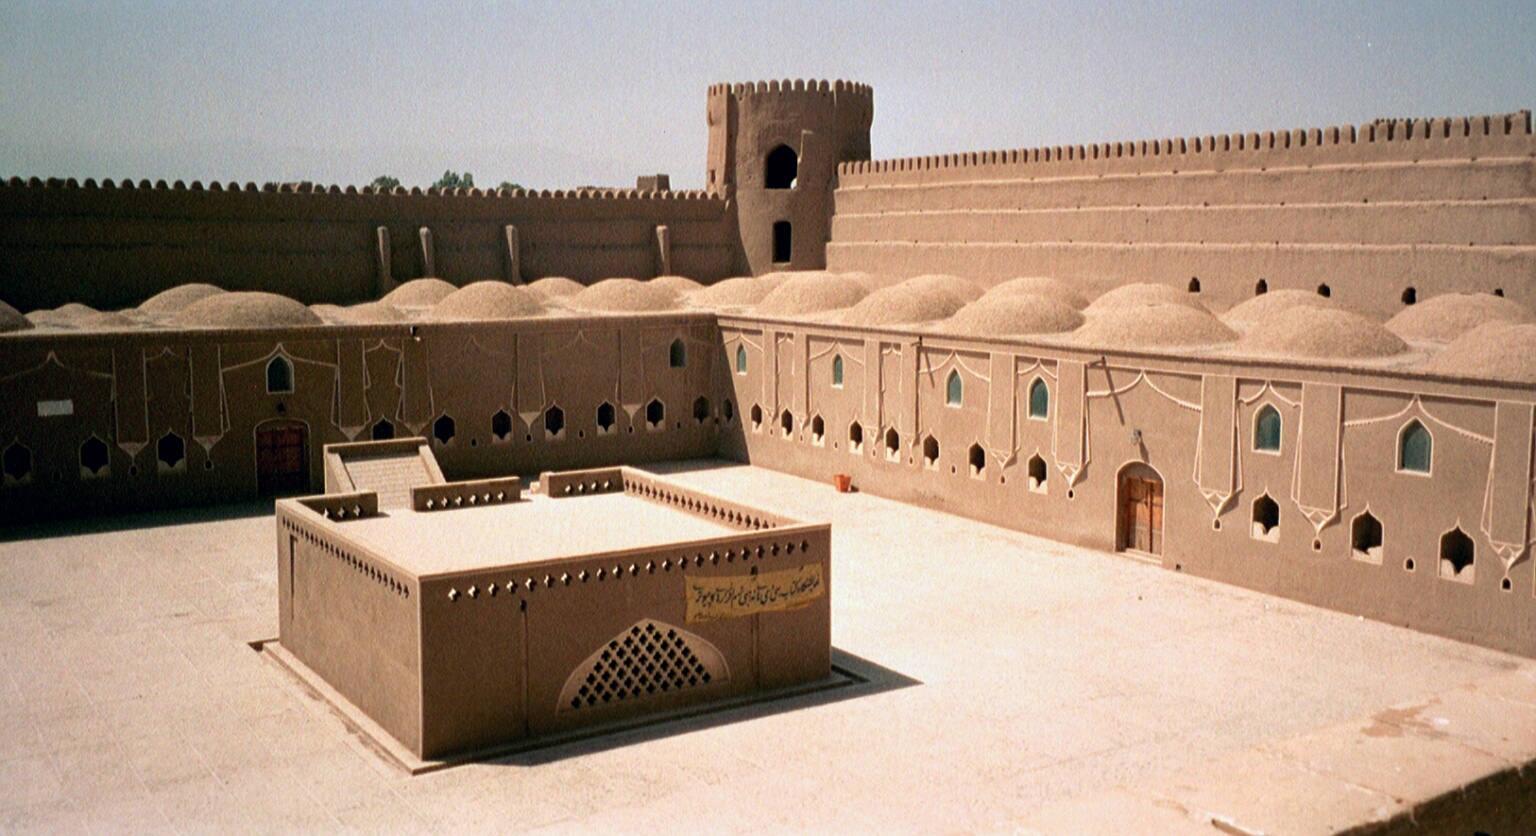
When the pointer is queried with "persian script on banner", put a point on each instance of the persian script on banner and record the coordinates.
(712, 599)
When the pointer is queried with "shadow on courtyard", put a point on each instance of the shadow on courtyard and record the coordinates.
(76, 526)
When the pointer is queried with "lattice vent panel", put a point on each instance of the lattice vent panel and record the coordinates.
(650, 659)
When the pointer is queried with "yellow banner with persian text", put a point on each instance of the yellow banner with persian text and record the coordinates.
(736, 596)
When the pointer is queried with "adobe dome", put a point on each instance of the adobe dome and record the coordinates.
(812, 292)
(905, 304)
(1134, 295)
(773, 280)
(12, 320)
(1151, 324)
(625, 295)
(1304, 331)
(1012, 313)
(1265, 305)
(66, 314)
(1041, 286)
(868, 281)
(554, 287)
(173, 301)
(419, 293)
(1449, 315)
(485, 300)
(1493, 351)
(245, 309)
(366, 313)
(681, 285)
(731, 293)
(105, 321)
(965, 289)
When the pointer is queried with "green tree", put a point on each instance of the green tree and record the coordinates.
(449, 180)
(506, 186)
(384, 181)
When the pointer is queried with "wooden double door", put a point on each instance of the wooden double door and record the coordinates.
(1141, 510)
(282, 458)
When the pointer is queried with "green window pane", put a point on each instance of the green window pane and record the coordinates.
(1039, 399)
(837, 370)
(1266, 431)
(1414, 448)
(741, 359)
(956, 390)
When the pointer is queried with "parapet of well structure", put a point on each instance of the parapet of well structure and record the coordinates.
(494, 619)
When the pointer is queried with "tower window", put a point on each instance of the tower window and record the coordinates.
(741, 359)
(1266, 430)
(678, 354)
(1415, 448)
(279, 375)
(1039, 399)
(954, 389)
(781, 169)
(837, 371)
(782, 242)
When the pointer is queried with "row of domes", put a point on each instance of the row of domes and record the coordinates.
(1287, 324)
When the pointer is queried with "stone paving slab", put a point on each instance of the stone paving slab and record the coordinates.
(1019, 674)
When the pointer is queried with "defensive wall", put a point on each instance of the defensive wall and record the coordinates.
(110, 245)
(1388, 210)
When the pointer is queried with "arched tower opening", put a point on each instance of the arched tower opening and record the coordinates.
(781, 168)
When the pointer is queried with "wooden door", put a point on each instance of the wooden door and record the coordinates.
(1141, 513)
(282, 462)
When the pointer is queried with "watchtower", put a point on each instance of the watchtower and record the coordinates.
(774, 147)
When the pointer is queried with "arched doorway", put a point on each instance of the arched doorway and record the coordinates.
(1140, 510)
(282, 457)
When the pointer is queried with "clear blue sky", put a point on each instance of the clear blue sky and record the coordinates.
(560, 94)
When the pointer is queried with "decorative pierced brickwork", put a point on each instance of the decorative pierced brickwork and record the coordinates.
(650, 659)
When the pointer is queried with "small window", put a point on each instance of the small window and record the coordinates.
(1324, 291)
(607, 418)
(741, 359)
(1039, 399)
(655, 415)
(954, 389)
(1194, 284)
(837, 372)
(501, 425)
(17, 463)
(1415, 448)
(1365, 538)
(678, 354)
(701, 409)
(931, 453)
(892, 445)
(787, 423)
(279, 375)
(1260, 287)
(554, 423)
(978, 460)
(783, 242)
(383, 430)
(781, 168)
(855, 438)
(1456, 556)
(818, 431)
(443, 429)
(171, 452)
(1266, 519)
(1037, 481)
(94, 458)
(728, 410)
(757, 418)
(1266, 429)
(1410, 296)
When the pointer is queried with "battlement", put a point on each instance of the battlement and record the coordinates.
(754, 88)
(1381, 132)
(322, 189)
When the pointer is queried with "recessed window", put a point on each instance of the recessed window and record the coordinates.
(757, 418)
(855, 438)
(741, 359)
(1039, 400)
(501, 425)
(954, 389)
(728, 410)
(279, 375)
(655, 415)
(783, 242)
(787, 423)
(94, 458)
(171, 453)
(443, 429)
(781, 168)
(1037, 481)
(837, 372)
(1266, 519)
(1194, 284)
(1410, 295)
(554, 423)
(978, 460)
(17, 463)
(931, 453)
(607, 418)
(701, 409)
(1266, 429)
(1456, 556)
(678, 354)
(1260, 287)
(383, 430)
(1365, 538)
(1324, 291)
(1415, 448)
(818, 431)
(892, 445)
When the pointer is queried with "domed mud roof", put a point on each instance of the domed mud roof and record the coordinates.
(1151, 324)
(245, 309)
(1493, 351)
(1012, 313)
(1134, 295)
(1325, 333)
(625, 295)
(12, 320)
(366, 313)
(812, 292)
(419, 293)
(170, 302)
(681, 285)
(1450, 315)
(965, 289)
(1041, 286)
(485, 300)
(67, 314)
(107, 321)
(870, 281)
(554, 287)
(733, 293)
(905, 304)
(1265, 305)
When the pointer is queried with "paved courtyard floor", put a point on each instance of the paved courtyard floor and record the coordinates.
(1006, 673)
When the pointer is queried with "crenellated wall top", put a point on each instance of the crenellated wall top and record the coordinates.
(307, 188)
(839, 87)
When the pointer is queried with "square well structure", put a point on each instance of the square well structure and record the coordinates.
(479, 618)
